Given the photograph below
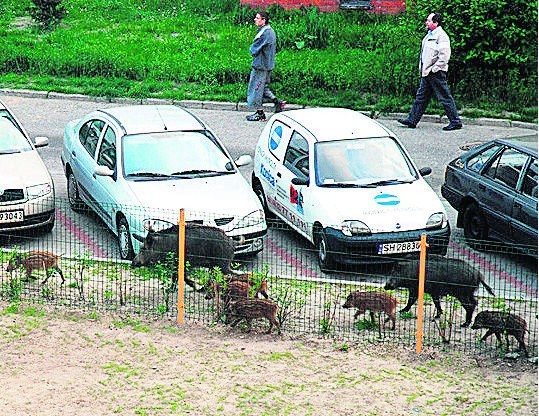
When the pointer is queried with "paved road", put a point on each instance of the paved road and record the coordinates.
(428, 145)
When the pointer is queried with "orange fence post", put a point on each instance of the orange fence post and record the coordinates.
(181, 266)
(420, 293)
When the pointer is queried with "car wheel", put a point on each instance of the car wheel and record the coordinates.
(475, 226)
(73, 193)
(124, 240)
(259, 191)
(325, 257)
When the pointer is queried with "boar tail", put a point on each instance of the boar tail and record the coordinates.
(489, 289)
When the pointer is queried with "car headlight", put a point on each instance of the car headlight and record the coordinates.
(436, 221)
(254, 218)
(39, 190)
(350, 228)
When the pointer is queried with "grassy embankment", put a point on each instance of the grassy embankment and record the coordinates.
(197, 50)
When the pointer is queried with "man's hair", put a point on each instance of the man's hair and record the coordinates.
(264, 15)
(437, 18)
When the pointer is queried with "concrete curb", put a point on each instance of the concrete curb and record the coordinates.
(228, 106)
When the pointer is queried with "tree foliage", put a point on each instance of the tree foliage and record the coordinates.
(494, 43)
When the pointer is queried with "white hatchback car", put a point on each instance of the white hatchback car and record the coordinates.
(26, 187)
(346, 183)
(134, 163)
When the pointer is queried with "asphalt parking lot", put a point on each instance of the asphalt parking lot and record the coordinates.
(47, 114)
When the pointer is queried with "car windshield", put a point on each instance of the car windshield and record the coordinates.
(173, 155)
(11, 138)
(362, 163)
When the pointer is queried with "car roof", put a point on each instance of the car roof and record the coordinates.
(525, 143)
(327, 124)
(136, 119)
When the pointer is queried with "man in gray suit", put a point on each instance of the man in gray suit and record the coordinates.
(263, 53)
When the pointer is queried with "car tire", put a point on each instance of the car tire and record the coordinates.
(73, 196)
(259, 191)
(325, 258)
(124, 240)
(475, 226)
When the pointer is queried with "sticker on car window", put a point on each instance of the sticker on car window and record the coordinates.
(275, 137)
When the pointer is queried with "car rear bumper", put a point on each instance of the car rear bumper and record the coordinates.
(451, 196)
(366, 249)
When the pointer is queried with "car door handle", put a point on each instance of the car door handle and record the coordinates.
(278, 174)
(74, 154)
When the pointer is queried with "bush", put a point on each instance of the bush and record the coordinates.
(47, 13)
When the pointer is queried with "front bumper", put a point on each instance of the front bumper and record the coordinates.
(365, 249)
(30, 221)
(249, 243)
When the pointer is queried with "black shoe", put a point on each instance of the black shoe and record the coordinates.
(258, 116)
(279, 105)
(452, 126)
(408, 123)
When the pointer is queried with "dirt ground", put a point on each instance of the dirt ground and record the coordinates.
(57, 362)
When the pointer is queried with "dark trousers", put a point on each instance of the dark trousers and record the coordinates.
(434, 83)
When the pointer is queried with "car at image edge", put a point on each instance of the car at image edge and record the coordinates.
(346, 183)
(493, 187)
(137, 163)
(26, 187)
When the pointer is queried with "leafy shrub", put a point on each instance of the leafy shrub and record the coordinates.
(47, 13)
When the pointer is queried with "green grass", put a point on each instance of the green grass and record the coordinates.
(199, 50)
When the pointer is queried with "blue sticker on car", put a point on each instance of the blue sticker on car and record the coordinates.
(275, 137)
(387, 199)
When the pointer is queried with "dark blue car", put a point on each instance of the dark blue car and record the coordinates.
(494, 189)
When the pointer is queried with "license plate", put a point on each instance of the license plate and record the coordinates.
(11, 216)
(394, 248)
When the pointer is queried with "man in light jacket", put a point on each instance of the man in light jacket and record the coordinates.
(433, 65)
(263, 52)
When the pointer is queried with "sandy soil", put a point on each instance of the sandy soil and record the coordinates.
(83, 363)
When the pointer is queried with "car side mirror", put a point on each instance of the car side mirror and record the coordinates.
(299, 181)
(244, 160)
(103, 171)
(425, 171)
(41, 141)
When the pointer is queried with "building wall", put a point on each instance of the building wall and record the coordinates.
(379, 6)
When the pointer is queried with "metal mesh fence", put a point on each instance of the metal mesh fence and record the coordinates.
(82, 250)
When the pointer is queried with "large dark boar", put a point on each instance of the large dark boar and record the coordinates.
(250, 309)
(205, 246)
(372, 302)
(444, 276)
(36, 260)
(498, 322)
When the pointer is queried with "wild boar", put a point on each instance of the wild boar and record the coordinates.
(36, 260)
(250, 309)
(238, 286)
(498, 322)
(444, 276)
(372, 302)
(205, 246)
